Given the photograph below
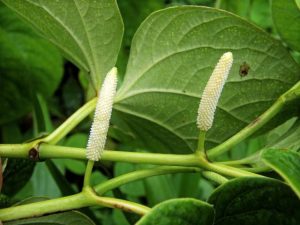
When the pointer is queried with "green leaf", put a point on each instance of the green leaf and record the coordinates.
(240, 8)
(11, 133)
(261, 14)
(17, 173)
(287, 164)
(252, 201)
(184, 211)
(134, 188)
(298, 3)
(285, 136)
(4, 201)
(72, 95)
(41, 116)
(77, 140)
(28, 65)
(172, 57)
(132, 20)
(256, 11)
(165, 185)
(62, 183)
(288, 140)
(43, 183)
(286, 18)
(65, 218)
(88, 32)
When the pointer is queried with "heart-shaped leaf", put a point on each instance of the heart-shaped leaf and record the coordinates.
(252, 201)
(88, 32)
(185, 211)
(287, 164)
(173, 54)
(286, 18)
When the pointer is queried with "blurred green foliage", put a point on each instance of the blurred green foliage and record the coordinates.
(30, 67)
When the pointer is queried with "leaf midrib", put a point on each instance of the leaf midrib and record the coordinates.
(63, 25)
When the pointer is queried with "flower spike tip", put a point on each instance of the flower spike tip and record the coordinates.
(212, 92)
(99, 128)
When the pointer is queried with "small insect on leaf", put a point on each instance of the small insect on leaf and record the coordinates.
(244, 69)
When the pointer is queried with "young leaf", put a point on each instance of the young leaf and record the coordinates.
(65, 218)
(286, 18)
(252, 201)
(184, 211)
(173, 53)
(88, 32)
(287, 164)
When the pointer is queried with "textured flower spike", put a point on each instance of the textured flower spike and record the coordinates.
(212, 92)
(102, 116)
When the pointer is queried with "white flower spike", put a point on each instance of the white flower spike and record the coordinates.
(212, 92)
(99, 128)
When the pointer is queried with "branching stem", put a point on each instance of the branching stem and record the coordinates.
(83, 199)
(71, 122)
(290, 95)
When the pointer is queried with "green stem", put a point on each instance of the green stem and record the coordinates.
(193, 160)
(219, 179)
(122, 204)
(48, 206)
(52, 151)
(16, 150)
(290, 95)
(229, 171)
(141, 174)
(201, 142)
(71, 122)
(88, 172)
(117, 203)
(83, 199)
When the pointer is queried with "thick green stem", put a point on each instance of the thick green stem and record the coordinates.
(48, 206)
(88, 172)
(71, 122)
(229, 171)
(194, 160)
(141, 174)
(83, 199)
(122, 204)
(219, 179)
(52, 151)
(290, 95)
(16, 150)
(201, 142)
(117, 203)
